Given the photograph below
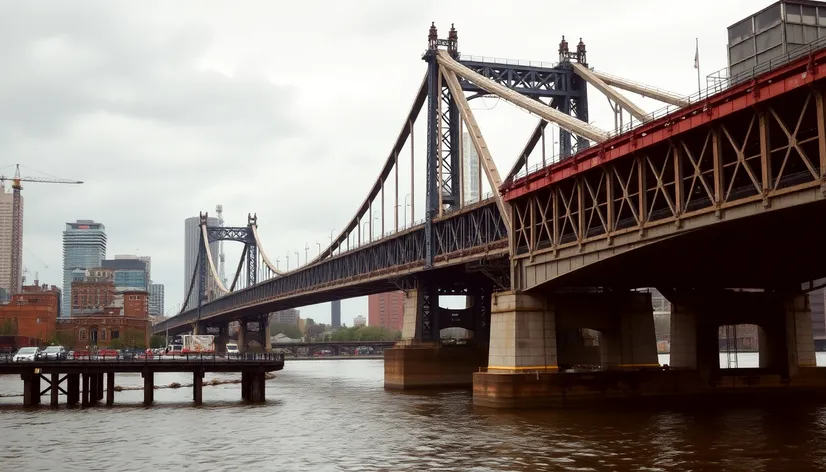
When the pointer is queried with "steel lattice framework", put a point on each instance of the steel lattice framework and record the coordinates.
(760, 142)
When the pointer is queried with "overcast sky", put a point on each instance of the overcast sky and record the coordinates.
(284, 109)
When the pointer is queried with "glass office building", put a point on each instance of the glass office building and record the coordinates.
(84, 247)
(129, 273)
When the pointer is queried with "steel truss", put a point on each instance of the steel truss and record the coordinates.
(476, 230)
(204, 278)
(757, 153)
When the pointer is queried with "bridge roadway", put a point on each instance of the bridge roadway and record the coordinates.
(337, 344)
(475, 233)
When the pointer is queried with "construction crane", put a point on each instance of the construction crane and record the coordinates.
(17, 222)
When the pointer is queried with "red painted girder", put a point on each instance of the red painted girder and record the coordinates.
(769, 85)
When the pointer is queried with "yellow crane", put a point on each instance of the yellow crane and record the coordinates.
(17, 222)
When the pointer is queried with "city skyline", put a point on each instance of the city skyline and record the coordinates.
(230, 124)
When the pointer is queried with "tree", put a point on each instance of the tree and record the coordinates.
(62, 338)
(116, 344)
(8, 327)
(157, 341)
(291, 331)
(366, 333)
(314, 331)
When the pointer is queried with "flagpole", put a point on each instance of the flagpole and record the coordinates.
(697, 62)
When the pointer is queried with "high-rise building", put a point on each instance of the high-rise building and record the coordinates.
(289, 316)
(192, 238)
(145, 259)
(129, 273)
(470, 163)
(6, 200)
(84, 247)
(386, 310)
(156, 306)
(335, 313)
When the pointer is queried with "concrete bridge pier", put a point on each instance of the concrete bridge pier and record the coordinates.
(242, 335)
(420, 360)
(785, 339)
(533, 336)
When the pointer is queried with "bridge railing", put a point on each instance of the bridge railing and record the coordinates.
(511, 62)
(720, 81)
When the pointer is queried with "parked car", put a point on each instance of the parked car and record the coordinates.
(54, 353)
(26, 354)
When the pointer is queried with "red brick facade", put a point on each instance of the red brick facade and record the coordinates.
(93, 293)
(32, 313)
(128, 324)
(386, 310)
(81, 332)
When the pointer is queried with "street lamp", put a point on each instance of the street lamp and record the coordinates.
(319, 246)
(364, 232)
(288, 261)
(306, 251)
(297, 260)
(277, 260)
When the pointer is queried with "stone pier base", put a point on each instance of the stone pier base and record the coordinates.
(432, 366)
(571, 390)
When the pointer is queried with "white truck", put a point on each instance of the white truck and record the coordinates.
(198, 344)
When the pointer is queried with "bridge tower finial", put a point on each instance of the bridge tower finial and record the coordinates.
(453, 42)
(580, 53)
(563, 50)
(432, 37)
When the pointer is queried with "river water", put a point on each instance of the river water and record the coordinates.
(327, 415)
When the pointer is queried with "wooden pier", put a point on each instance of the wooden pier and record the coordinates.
(82, 380)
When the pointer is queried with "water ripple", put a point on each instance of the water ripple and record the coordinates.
(335, 416)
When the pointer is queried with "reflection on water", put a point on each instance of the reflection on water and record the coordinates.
(335, 415)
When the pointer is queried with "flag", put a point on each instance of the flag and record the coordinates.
(697, 54)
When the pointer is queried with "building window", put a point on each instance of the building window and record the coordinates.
(115, 334)
(103, 335)
(82, 334)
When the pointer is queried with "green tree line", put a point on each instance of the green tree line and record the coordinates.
(365, 333)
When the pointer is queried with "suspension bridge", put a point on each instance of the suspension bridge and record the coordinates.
(561, 245)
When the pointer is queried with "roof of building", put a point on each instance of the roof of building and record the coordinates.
(124, 264)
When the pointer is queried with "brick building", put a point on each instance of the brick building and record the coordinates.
(386, 310)
(93, 291)
(32, 313)
(126, 319)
